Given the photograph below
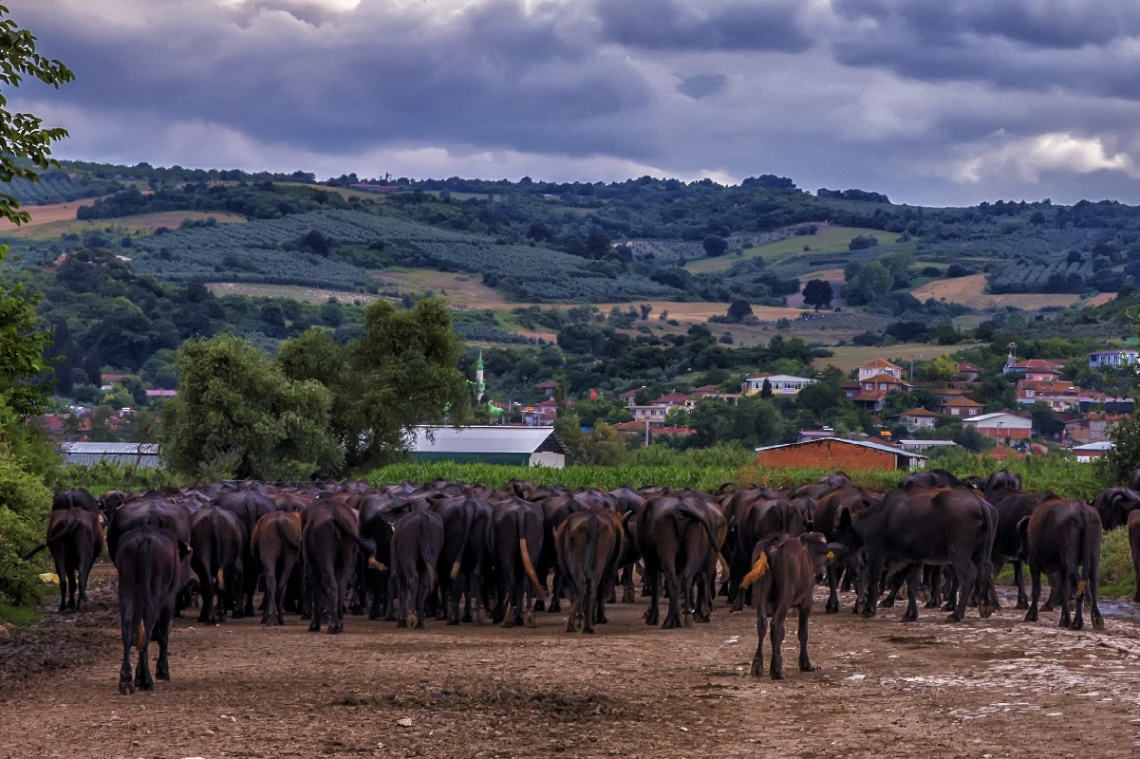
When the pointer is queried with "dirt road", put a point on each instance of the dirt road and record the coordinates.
(983, 688)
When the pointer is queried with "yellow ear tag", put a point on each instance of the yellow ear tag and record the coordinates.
(831, 554)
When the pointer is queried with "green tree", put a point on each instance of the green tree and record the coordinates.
(714, 246)
(401, 373)
(818, 293)
(26, 143)
(234, 404)
(739, 309)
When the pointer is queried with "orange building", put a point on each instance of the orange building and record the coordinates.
(837, 453)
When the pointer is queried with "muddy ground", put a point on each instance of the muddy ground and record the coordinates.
(983, 688)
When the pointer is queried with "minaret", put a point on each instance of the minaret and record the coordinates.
(480, 385)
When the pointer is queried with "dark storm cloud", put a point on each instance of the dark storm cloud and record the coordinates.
(1013, 44)
(702, 85)
(712, 25)
(490, 74)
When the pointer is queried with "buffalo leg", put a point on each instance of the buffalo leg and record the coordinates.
(672, 587)
(913, 577)
(964, 573)
(1035, 593)
(162, 637)
(779, 617)
(652, 580)
(802, 634)
(833, 572)
(761, 631)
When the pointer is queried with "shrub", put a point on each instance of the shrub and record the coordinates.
(24, 506)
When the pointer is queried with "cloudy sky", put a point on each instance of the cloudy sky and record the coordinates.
(943, 102)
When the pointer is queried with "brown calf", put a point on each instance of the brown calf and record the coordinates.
(276, 543)
(784, 569)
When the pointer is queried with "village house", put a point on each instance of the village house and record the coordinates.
(1094, 402)
(654, 413)
(1091, 451)
(1036, 369)
(710, 391)
(1059, 395)
(833, 453)
(969, 372)
(548, 387)
(1001, 425)
(961, 407)
(1113, 358)
(782, 385)
(918, 419)
(1093, 428)
(877, 367)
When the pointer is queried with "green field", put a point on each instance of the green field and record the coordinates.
(827, 240)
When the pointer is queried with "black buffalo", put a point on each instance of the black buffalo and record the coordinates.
(75, 539)
(416, 545)
(149, 562)
(1062, 538)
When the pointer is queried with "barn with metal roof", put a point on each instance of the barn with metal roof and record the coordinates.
(127, 454)
(516, 446)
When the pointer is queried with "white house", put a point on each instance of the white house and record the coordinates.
(781, 384)
(1114, 358)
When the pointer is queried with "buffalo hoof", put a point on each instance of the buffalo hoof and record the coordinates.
(757, 669)
(314, 626)
(264, 619)
(401, 624)
(334, 630)
(126, 688)
(540, 605)
(1047, 606)
(629, 595)
(588, 631)
(1077, 624)
(687, 619)
(1098, 622)
(953, 617)
(948, 606)
(831, 608)
(887, 603)
(985, 611)
(908, 617)
(778, 675)
(669, 624)
(704, 619)
(507, 624)
(163, 675)
(279, 621)
(479, 617)
(806, 667)
(577, 624)
(529, 619)
(868, 613)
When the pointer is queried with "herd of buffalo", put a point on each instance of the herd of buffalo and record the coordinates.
(464, 552)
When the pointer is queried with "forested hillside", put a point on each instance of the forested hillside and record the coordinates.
(153, 257)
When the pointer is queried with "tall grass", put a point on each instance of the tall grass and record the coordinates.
(1059, 473)
(708, 479)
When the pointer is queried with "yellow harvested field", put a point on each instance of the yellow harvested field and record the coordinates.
(970, 291)
(305, 294)
(125, 224)
(47, 214)
(463, 290)
(848, 357)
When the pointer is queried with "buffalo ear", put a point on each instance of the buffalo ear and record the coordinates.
(184, 550)
(844, 518)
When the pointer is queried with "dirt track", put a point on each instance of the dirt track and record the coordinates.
(984, 688)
